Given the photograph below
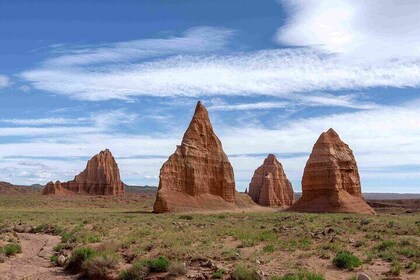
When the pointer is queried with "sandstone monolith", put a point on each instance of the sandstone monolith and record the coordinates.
(198, 176)
(269, 186)
(331, 181)
(101, 177)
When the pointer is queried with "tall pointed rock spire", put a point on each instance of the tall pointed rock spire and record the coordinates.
(198, 175)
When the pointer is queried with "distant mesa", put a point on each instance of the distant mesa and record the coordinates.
(198, 176)
(10, 189)
(101, 177)
(331, 181)
(269, 186)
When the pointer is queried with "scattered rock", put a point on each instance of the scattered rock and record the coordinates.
(269, 186)
(61, 260)
(362, 276)
(331, 181)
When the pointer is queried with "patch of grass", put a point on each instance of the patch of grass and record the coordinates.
(177, 268)
(345, 259)
(136, 272)
(185, 217)
(98, 266)
(242, 272)
(412, 267)
(78, 257)
(269, 249)
(156, 265)
(386, 244)
(299, 276)
(54, 259)
(364, 222)
(218, 274)
(395, 269)
(12, 249)
(388, 255)
(58, 247)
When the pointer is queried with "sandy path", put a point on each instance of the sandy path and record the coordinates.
(34, 261)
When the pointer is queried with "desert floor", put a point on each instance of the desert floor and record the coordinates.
(122, 231)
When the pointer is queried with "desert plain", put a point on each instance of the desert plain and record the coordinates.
(122, 232)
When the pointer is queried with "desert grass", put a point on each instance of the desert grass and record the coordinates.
(278, 243)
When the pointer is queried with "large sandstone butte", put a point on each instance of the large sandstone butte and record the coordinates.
(101, 177)
(331, 181)
(198, 176)
(269, 186)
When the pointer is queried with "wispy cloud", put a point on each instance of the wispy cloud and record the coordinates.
(269, 72)
(4, 81)
(196, 40)
(312, 100)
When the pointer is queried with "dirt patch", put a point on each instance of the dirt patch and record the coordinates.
(34, 261)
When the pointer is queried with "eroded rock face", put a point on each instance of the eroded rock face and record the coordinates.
(331, 181)
(269, 186)
(101, 177)
(198, 175)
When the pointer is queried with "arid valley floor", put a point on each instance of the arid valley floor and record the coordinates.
(121, 233)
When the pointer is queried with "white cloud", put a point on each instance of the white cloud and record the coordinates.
(277, 73)
(4, 81)
(349, 101)
(355, 29)
(195, 40)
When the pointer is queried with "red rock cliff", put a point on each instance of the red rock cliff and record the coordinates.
(331, 181)
(269, 186)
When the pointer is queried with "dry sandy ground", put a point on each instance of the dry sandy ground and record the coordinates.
(33, 263)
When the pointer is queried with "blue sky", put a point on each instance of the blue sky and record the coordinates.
(77, 77)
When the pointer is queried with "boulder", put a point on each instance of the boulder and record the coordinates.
(198, 175)
(101, 177)
(269, 186)
(331, 181)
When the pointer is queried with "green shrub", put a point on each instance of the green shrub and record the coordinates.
(78, 257)
(395, 268)
(244, 273)
(58, 247)
(412, 267)
(98, 266)
(345, 259)
(12, 249)
(159, 264)
(54, 258)
(136, 272)
(218, 274)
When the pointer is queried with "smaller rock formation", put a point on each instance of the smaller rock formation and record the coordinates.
(101, 177)
(269, 186)
(331, 181)
(198, 176)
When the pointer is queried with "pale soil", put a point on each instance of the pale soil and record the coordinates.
(34, 261)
